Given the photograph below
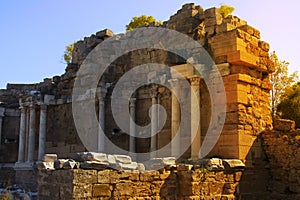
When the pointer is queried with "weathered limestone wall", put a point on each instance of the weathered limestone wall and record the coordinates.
(180, 182)
(235, 46)
(283, 152)
(61, 137)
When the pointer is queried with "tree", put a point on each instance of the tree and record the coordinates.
(226, 10)
(68, 53)
(140, 21)
(289, 107)
(281, 81)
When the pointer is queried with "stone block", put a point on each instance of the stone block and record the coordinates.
(158, 163)
(84, 176)
(102, 190)
(127, 166)
(58, 164)
(71, 164)
(123, 159)
(104, 34)
(50, 157)
(45, 165)
(224, 27)
(233, 163)
(92, 156)
(98, 165)
(264, 46)
(284, 125)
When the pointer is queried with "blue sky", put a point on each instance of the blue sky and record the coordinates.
(34, 33)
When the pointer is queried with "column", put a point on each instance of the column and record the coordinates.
(132, 127)
(154, 121)
(2, 110)
(175, 118)
(101, 134)
(22, 134)
(195, 117)
(42, 131)
(31, 142)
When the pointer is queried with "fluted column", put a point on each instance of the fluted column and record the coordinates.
(42, 131)
(154, 121)
(2, 110)
(195, 117)
(22, 134)
(101, 134)
(31, 142)
(132, 126)
(175, 118)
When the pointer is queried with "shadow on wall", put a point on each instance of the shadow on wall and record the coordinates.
(272, 171)
(272, 167)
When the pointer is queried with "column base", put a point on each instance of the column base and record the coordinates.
(24, 165)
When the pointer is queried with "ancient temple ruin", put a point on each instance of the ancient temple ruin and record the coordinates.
(36, 119)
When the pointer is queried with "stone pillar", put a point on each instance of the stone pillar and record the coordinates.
(154, 122)
(22, 134)
(195, 117)
(42, 131)
(101, 134)
(31, 142)
(2, 110)
(175, 118)
(132, 127)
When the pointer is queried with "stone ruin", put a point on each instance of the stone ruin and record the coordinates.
(38, 131)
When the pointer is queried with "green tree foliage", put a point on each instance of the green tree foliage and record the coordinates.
(281, 81)
(68, 53)
(226, 10)
(140, 21)
(289, 107)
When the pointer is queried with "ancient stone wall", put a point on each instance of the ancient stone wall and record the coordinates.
(180, 182)
(236, 48)
(283, 152)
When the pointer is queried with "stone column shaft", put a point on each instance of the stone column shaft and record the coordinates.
(154, 122)
(22, 135)
(195, 118)
(101, 133)
(42, 132)
(31, 142)
(132, 126)
(175, 118)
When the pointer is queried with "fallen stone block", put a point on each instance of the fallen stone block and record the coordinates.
(127, 166)
(123, 159)
(92, 156)
(141, 167)
(59, 163)
(233, 163)
(214, 164)
(45, 165)
(284, 125)
(50, 157)
(94, 165)
(158, 163)
(71, 164)
(111, 159)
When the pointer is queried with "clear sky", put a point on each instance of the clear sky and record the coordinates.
(34, 33)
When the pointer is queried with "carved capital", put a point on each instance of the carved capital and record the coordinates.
(154, 91)
(43, 106)
(101, 92)
(195, 80)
